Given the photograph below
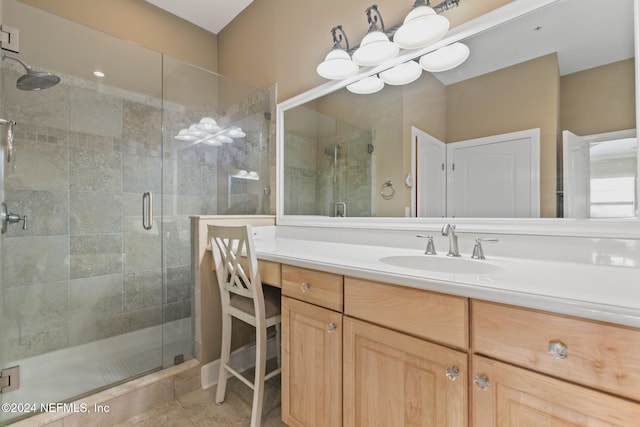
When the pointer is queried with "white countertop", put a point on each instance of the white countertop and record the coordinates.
(599, 292)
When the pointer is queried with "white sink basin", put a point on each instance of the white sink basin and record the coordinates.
(443, 264)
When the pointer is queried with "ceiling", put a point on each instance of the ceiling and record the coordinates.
(584, 33)
(212, 15)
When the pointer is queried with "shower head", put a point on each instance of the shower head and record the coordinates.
(332, 152)
(33, 80)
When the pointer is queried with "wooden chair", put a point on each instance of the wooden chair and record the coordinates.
(242, 296)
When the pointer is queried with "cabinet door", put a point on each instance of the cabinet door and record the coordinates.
(311, 365)
(392, 379)
(504, 395)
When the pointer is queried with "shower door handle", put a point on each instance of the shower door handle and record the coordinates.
(9, 143)
(147, 210)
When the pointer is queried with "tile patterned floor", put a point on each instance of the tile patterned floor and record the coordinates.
(198, 409)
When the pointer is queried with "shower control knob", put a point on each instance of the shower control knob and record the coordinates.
(7, 218)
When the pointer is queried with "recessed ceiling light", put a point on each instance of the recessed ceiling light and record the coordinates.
(98, 73)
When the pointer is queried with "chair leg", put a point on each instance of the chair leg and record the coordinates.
(224, 358)
(258, 384)
(278, 344)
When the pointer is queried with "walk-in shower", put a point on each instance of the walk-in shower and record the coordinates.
(93, 293)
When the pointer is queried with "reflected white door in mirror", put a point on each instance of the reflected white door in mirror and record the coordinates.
(495, 177)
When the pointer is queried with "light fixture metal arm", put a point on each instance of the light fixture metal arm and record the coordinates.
(445, 5)
(337, 38)
(373, 20)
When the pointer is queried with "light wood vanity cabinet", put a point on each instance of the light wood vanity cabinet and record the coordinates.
(393, 379)
(430, 315)
(585, 371)
(514, 396)
(389, 374)
(364, 353)
(311, 347)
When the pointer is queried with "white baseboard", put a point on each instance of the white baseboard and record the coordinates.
(241, 360)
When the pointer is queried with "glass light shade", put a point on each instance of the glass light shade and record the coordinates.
(445, 58)
(337, 65)
(366, 86)
(421, 27)
(375, 49)
(213, 142)
(185, 135)
(402, 74)
(223, 138)
(207, 124)
(236, 133)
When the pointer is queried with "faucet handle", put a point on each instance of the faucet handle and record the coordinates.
(478, 253)
(431, 247)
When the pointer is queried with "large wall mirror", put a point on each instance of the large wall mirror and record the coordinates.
(539, 122)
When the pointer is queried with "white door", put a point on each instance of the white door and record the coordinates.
(495, 177)
(575, 175)
(429, 154)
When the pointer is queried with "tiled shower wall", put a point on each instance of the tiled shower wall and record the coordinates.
(349, 179)
(86, 269)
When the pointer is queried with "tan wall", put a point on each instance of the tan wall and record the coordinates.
(520, 97)
(599, 100)
(283, 41)
(142, 23)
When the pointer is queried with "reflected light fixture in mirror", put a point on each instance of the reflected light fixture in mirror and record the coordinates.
(402, 74)
(445, 58)
(422, 27)
(209, 132)
(366, 86)
(337, 65)
(375, 47)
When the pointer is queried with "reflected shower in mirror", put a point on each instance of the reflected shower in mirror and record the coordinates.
(328, 166)
(544, 72)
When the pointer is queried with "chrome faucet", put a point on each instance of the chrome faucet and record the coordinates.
(450, 230)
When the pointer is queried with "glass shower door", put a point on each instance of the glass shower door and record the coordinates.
(82, 285)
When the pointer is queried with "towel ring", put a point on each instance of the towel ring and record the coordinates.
(388, 190)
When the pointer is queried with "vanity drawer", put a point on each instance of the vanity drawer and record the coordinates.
(600, 355)
(429, 315)
(317, 287)
(270, 273)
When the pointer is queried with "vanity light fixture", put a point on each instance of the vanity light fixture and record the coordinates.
(337, 65)
(368, 85)
(402, 74)
(422, 26)
(445, 58)
(209, 132)
(375, 47)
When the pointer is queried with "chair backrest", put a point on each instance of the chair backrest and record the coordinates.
(235, 261)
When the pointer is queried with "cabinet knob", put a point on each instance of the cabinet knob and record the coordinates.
(452, 372)
(482, 382)
(558, 350)
(304, 286)
(331, 327)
